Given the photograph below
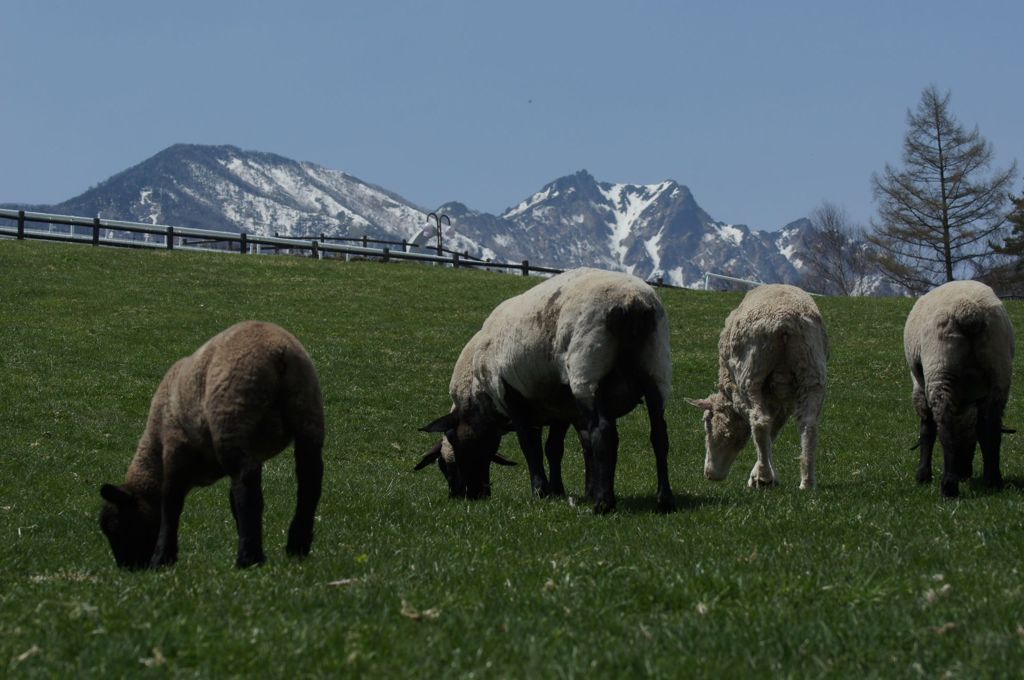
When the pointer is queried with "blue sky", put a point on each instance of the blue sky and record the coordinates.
(762, 109)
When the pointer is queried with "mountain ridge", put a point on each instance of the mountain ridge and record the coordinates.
(656, 231)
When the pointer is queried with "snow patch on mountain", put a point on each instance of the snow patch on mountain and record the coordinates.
(629, 202)
(653, 251)
(534, 200)
(146, 201)
(789, 247)
(724, 232)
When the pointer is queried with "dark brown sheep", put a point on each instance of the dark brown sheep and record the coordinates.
(239, 400)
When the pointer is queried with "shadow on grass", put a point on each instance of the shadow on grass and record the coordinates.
(685, 502)
(978, 486)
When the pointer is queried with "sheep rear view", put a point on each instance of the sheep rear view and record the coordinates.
(583, 349)
(772, 351)
(237, 401)
(959, 344)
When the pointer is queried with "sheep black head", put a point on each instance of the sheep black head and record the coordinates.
(130, 528)
(464, 455)
(726, 433)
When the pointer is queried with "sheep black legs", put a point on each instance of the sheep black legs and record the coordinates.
(958, 448)
(166, 551)
(601, 437)
(990, 435)
(926, 439)
(659, 442)
(950, 483)
(309, 473)
(247, 507)
(530, 438)
(554, 450)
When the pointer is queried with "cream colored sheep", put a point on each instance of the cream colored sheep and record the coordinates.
(237, 401)
(772, 355)
(959, 344)
(584, 347)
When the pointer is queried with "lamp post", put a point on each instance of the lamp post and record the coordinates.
(437, 223)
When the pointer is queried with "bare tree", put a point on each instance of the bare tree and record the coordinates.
(837, 257)
(1007, 277)
(938, 214)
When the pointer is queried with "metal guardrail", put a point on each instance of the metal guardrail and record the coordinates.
(750, 282)
(708, 276)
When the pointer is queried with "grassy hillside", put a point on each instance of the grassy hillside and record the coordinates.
(868, 575)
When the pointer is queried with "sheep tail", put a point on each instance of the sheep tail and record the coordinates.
(633, 320)
(970, 317)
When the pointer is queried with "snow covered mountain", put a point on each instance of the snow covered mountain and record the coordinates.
(228, 189)
(653, 230)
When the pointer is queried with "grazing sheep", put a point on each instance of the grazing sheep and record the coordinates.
(958, 341)
(772, 354)
(582, 348)
(234, 403)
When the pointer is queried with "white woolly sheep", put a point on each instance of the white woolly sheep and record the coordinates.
(772, 355)
(959, 344)
(582, 348)
(234, 403)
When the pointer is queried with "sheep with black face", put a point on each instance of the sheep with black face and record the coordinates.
(234, 403)
(582, 348)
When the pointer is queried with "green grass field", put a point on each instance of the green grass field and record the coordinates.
(869, 575)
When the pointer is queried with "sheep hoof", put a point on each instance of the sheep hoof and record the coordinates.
(245, 561)
(759, 483)
(665, 503)
(603, 506)
(807, 485)
(298, 548)
(950, 488)
(924, 476)
(299, 542)
(160, 560)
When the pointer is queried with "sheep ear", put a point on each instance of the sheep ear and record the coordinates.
(116, 495)
(699, 403)
(501, 460)
(432, 455)
(442, 424)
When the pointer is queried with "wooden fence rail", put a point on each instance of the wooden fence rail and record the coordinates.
(171, 237)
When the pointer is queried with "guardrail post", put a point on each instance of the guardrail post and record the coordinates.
(526, 267)
(387, 254)
(96, 231)
(316, 249)
(170, 238)
(455, 260)
(365, 243)
(405, 246)
(244, 246)
(21, 225)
